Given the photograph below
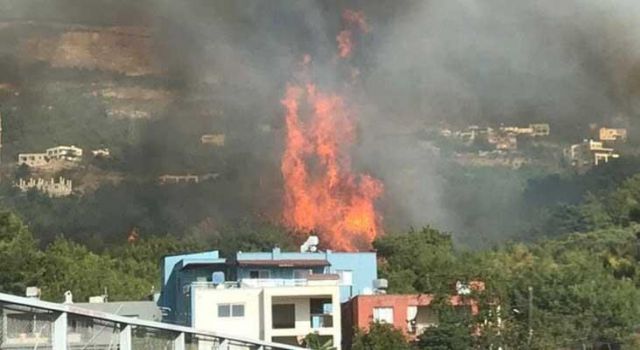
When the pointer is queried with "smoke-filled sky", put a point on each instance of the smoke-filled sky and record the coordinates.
(424, 63)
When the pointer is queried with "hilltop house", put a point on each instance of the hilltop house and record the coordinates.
(60, 153)
(589, 153)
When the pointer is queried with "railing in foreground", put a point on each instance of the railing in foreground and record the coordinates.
(34, 324)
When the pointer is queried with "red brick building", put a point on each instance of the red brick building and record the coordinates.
(411, 313)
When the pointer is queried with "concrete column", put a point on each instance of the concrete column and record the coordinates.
(337, 321)
(178, 343)
(59, 339)
(267, 316)
(125, 337)
(224, 345)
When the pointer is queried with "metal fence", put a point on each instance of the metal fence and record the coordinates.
(38, 325)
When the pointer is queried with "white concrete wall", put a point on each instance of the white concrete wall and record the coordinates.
(257, 320)
(300, 297)
(205, 313)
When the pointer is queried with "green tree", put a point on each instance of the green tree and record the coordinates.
(71, 266)
(380, 336)
(453, 332)
(418, 261)
(316, 342)
(19, 256)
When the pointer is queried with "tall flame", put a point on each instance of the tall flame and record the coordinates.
(321, 192)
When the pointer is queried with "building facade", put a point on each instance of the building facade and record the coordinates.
(68, 153)
(59, 153)
(276, 295)
(590, 153)
(410, 313)
(33, 160)
(279, 310)
(611, 134)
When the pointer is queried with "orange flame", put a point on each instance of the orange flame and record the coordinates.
(345, 44)
(321, 192)
(351, 19)
(356, 18)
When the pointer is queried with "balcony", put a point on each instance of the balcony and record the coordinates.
(272, 282)
(321, 321)
(311, 280)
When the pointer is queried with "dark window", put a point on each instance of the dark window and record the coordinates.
(237, 310)
(262, 274)
(284, 316)
(224, 310)
(230, 310)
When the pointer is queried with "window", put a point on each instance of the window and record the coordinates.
(321, 313)
(283, 316)
(261, 274)
(230, 310)
(301, 274)
(237, 310)
(224, 310)
(346, 277)
(383, 314)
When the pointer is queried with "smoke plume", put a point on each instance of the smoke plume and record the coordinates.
(422, 64)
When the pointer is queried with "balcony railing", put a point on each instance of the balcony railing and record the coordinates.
(321, 321)
(252, 283)
(273, 282)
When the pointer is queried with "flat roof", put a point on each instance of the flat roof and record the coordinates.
(284, 263)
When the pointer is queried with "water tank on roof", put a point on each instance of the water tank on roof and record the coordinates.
(310, 245)
(380, 283)
(217, 278)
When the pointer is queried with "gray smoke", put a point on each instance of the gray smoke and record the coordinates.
(461, 62)
(424, 64)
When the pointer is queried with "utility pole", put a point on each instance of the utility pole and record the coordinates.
(530, 317)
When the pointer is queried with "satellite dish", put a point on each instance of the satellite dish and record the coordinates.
(217, 278)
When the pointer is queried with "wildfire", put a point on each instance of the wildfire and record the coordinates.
(353, 20)
(322, 194)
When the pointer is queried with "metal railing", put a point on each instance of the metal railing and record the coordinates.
(253, 283)
(34, 324)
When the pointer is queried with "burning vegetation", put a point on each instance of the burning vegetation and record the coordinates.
(322, 192)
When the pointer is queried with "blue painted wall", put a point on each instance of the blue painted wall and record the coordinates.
(174, 278)
(364, 269)
(363, 266)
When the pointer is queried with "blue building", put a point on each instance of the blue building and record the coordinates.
(178, 272)
(357, 272)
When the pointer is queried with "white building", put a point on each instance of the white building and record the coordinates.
(63, 153)
(101, 153)
(33, 160)
(70, 153)
(590, 153)
(278, 310)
